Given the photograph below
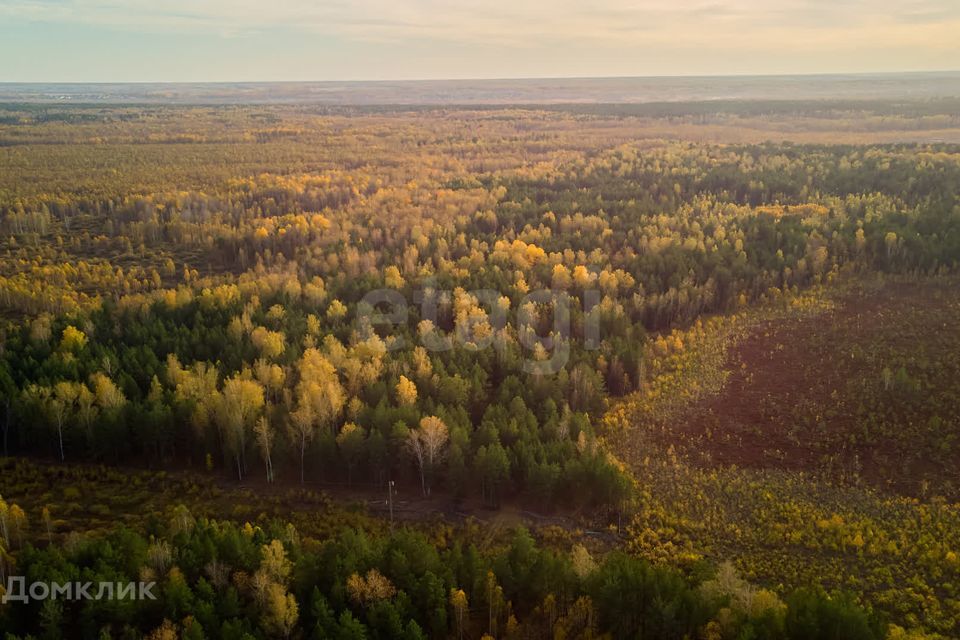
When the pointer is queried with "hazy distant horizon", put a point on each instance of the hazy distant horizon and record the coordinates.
(922, 85)
(946, 71)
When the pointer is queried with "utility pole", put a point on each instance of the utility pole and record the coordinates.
(390, 501)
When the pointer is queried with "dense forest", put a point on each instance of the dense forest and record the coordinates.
(491, 309)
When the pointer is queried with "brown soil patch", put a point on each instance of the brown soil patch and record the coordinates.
(800, 392)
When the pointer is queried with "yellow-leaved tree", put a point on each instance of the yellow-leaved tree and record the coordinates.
(406, 391)
(319, 400)
(427, 444)
(239, 406)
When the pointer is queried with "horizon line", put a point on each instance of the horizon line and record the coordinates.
(494, 78)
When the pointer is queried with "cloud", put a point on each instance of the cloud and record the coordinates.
(498, 37)
(517, 22)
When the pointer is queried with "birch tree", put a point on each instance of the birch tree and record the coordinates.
(319, 399)
(264, 438)
(238, 407)
(427, 445)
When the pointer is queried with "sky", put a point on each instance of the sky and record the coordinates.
(261, 40)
